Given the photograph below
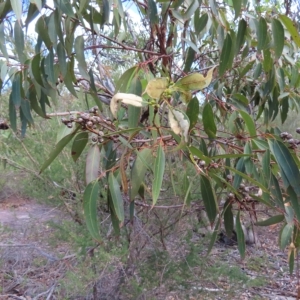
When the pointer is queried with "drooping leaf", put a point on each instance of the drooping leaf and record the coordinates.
(271, 221)
(237, 5)
(12, 113)
(36, 69)
(90, 199)
(92, 163)
(240, 236)
(158, 170)
(249, 123)
(261, 32)
(209, 198)
(41, 29)
(116, 196)
(17, 8)
(65, 7)
(156, 87)
(192, 112)
(19, 41)
(16, 89)
(139, 170)
(195, 81)
(291, 27)
(200, 22)
(225, 55)
(79, 50)
(152, 12)
(179, 123)
(79, 144)
(228, 218)
(286, 235)
(240, 166)
(287, 164)
(278, 37)
(294, 200)
(58, 148)
(208, 121)
(2, 41)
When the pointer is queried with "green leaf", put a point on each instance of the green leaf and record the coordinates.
(276, 191)
(125, 79)
(214, 236)
(158, 170)
(17, 8)
(19, 42)
(79, 50)
(287, 164)
(237, 5)
(16, 89)
(240, 236)
(58, 148)
(291, 27)
(139, 170)
(286, 236)
(90, 199)
(271, 221)
(240, 167)
(2, 41)
(201, 22)
(41, 29)
(62, 59)
(225, 55)
(228, 218)
(79, 144)
(294, 200)
(105, 12)
(92, 163)
(209, 198)
(291, 259)
(152, 12)
(249, 123)
(65, 7)
(36, 69)
(208, 121)
(116, 196)
(278, 37)
(192, 112)
(12, 113)
(261, 32)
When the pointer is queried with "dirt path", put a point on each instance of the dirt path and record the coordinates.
(31, 268)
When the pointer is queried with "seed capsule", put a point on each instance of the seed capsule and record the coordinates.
(89, 123)
(70, 125)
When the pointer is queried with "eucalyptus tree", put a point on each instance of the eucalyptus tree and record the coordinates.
(194, 79)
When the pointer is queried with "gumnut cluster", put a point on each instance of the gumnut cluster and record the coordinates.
(289, 139)
(87, 120)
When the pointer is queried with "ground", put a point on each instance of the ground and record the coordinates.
(33, 267)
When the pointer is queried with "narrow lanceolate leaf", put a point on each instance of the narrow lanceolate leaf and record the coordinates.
(240, 236)
(92, 163)
(65, 7)
(79, 50)
(159, 169)
(79, 144)
(17, 8)
(249, 123)
(291, 27)
(139, 170)
(41, 29)
(271, 221)
(192, 112)
(261, 32)
(116, 196)
(16, 89)
(287, 164)
(179, 123)
(195, 81)
(58, 148)
(19, 41)
(237, 5)
(152, 12)
(2, 41)
(200, 22)
(240, 166)
(225, 55)
(278, 37)
(36, 69)
(208, 121)
(12, 113)
(90, 199)
(294, 200)
(286, 235)
(209, 198)
(156, 87)
(241, 35)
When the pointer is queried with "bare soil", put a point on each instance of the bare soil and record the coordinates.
(31, 268)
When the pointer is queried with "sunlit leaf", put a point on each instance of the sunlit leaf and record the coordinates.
(291, 27)
(90, 200)
(17, 8)
(200, 22)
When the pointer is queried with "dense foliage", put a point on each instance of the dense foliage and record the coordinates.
(187, 85)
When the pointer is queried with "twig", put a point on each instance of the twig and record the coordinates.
(49, 292)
